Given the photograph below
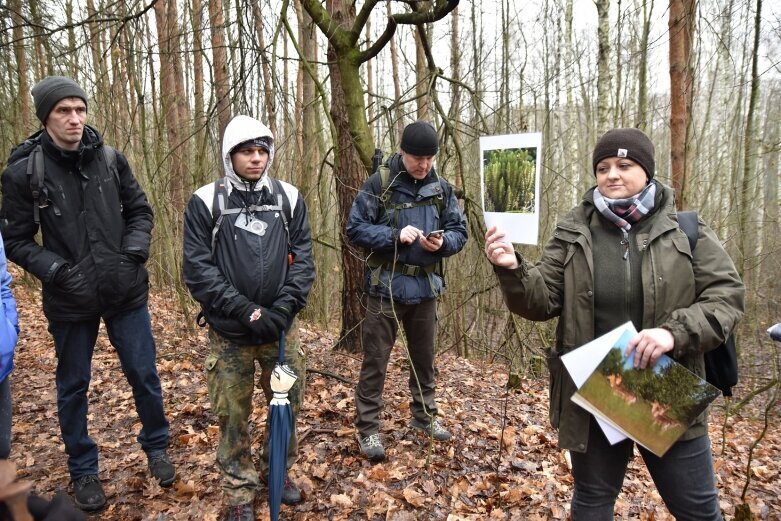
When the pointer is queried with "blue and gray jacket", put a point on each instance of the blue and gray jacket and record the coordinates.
(406, 272)
(9, 326)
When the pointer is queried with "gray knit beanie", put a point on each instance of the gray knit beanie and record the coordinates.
(420, 139)
(50, 90)
(631, 143)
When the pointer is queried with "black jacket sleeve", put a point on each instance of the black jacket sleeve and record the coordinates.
(300, 274)
(19, 227)
(204, 279)
(136, 211)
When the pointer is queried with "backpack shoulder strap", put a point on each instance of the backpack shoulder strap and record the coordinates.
(219, 206)
(35, 174)
(282, 198)
(110, 157)
(688, 223)
(385, 182)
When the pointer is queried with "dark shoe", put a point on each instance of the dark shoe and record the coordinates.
(88, 493)
(291, 494)
(161, 468)
(432, 428)
(372, 448)
(245, 512)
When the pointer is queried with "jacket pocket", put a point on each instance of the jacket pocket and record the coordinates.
(217, 398)
(130, 275)
(555, 371)
(77, 287)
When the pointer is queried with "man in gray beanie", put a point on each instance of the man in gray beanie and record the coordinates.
(408, 220)
(95, 223)
(47, 92)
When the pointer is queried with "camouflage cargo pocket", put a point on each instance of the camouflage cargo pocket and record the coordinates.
(219, 407)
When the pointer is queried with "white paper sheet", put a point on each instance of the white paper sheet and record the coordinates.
(581, 362)
(519, 226)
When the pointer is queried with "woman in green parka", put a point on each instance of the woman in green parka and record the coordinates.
(620, 255)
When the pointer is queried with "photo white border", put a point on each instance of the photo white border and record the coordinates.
(521, 228)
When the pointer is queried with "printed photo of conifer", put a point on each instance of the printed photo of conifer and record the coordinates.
(509, 176)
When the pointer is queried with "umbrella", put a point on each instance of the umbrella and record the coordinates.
(775, 332)
(281, 425)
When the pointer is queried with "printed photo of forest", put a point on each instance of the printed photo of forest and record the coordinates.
(509, 176)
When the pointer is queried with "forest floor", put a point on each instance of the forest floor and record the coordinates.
(502, 464)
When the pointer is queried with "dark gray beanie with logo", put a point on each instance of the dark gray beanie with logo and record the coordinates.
(631, 143)
(420, 139)
(50, 90)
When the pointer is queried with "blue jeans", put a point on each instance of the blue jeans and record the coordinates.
(683, 476)
(130, 332)
(5, 418)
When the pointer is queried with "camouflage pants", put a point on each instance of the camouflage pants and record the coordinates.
(230, 376)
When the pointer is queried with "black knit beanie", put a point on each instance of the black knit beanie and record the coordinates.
(50, 90)
(631, 143)
(259, 142)
(420, 139)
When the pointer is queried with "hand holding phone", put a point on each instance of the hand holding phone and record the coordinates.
(435, 234)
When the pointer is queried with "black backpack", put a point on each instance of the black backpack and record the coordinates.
(31, 148)
(721, 364)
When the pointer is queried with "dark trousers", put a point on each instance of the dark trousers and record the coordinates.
(5, 418)
(378, 333)
(130, 333)
(683, 476)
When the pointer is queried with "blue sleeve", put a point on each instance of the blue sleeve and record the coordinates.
(454, 224)
(9, 303)
(365, 227)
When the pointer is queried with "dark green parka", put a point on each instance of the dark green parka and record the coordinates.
(698, 297)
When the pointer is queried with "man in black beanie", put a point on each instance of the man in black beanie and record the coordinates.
(96, 225)
(408, 220)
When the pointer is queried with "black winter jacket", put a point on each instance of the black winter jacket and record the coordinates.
(95, 230)
(246, 268)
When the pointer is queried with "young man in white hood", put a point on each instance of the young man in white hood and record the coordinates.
(248, 262)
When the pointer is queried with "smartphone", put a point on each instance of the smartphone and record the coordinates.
(435, 233)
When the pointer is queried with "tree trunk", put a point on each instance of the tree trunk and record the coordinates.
(681, 24)
(220, 64)
(20, 54)
(268, 91)
(167, 32)
(642, 78)
(350, 173)
(746, 211)
(603, 65)
(398, 113)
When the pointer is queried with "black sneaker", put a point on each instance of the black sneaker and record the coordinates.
(291, 494)
(88, 493)
(161, 468)
(244, 512)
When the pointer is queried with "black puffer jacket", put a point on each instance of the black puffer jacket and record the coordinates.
(95, 230)
(246, 269)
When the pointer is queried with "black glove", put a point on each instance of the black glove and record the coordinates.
(280, 319)
(59, 508)
(257, 319)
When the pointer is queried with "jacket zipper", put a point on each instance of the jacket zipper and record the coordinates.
(627, 272)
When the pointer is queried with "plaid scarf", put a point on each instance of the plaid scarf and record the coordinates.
(626, 212)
